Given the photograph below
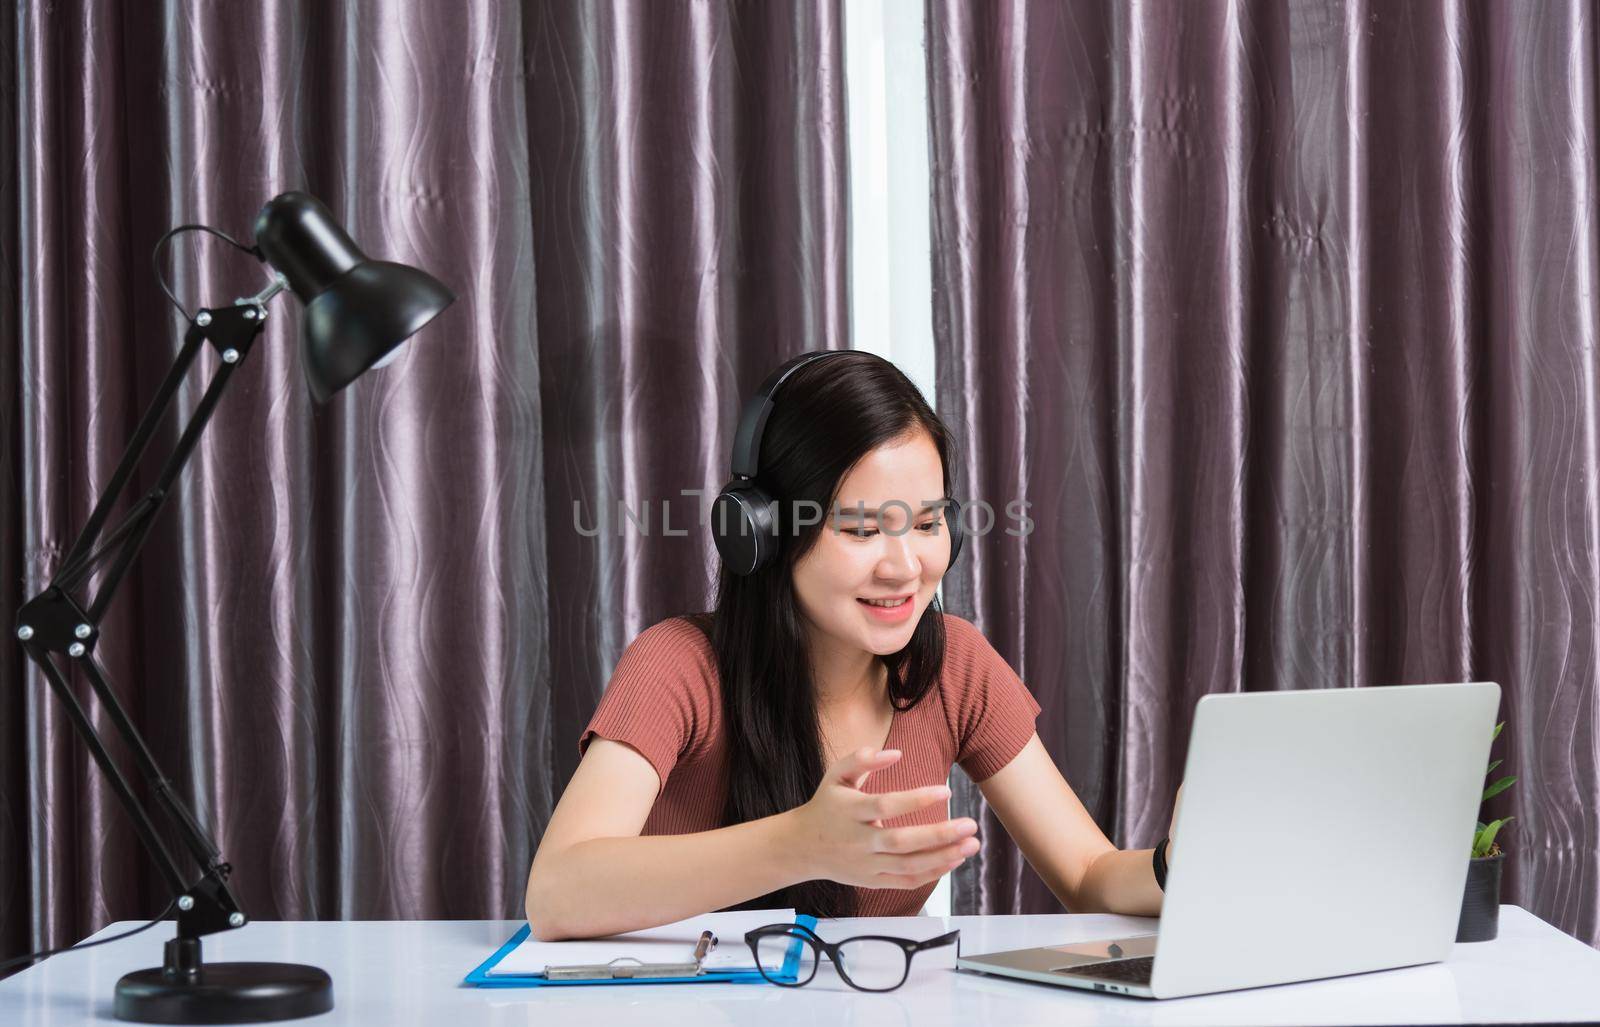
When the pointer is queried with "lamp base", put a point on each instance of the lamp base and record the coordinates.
(225, 993)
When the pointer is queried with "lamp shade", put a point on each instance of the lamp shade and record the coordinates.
(358, 310)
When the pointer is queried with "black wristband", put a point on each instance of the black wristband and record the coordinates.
(1159, 858)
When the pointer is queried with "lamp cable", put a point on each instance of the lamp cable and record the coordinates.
(34, 957)
(155, 258)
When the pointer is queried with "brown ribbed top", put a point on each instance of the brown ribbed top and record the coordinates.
(664, 700)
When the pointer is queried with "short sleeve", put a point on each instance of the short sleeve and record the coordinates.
(992, 712)
(660, 698)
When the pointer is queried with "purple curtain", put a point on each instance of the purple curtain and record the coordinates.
(363, 638)
(1282, 317)
(690, 164)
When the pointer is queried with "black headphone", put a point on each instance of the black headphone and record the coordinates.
(742, 521)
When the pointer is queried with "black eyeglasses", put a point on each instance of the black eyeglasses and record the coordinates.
(788, 954)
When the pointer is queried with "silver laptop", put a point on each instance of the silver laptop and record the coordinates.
(1323, 832)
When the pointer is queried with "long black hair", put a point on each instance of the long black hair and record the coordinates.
(827, 416)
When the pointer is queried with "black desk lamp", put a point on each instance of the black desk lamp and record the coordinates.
(358, 312)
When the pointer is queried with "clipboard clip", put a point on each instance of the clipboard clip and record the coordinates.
(629, 968)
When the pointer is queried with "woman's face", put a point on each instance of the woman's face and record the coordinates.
(885, 539)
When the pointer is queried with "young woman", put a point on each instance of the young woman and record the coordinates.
(791, 748)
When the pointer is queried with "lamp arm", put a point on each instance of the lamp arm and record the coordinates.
(119, 784)
(193, 339)
(233, 344)
(55, 622)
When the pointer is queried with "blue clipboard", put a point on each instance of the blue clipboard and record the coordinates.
(480, 975)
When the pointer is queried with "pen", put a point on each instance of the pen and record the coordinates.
(707, 942)
(618, 968)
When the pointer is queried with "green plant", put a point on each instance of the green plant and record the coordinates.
(1483, 843)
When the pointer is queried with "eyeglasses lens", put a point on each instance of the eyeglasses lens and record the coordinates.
(786, 958)
(872, 965)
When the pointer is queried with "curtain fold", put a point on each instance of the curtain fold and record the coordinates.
(363, 638)
(692, 179)
(1282, 317)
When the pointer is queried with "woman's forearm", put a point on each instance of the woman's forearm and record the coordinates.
(1120, 881)
(607, 886)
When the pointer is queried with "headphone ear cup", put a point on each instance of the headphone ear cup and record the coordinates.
(744, 527)
(952, 520)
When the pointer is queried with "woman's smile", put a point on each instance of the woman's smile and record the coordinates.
(890, 610)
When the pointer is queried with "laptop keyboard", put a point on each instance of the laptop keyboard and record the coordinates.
(1131, 971)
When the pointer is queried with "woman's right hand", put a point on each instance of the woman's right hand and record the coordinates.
(840, 833)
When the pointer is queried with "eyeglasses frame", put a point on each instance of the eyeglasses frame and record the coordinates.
(812, 938)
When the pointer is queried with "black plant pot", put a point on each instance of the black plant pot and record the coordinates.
(1480, 906)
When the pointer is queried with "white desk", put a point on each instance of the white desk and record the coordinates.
(409, 972)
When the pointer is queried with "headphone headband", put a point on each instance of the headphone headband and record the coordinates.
(753, 422)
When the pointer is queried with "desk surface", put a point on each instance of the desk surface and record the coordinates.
(409, 972)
